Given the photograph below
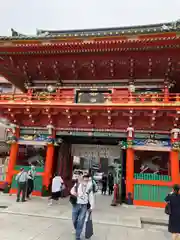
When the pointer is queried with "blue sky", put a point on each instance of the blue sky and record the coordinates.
(27, 15)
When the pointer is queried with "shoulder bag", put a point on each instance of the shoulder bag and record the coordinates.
(72, 198)
(167, 209)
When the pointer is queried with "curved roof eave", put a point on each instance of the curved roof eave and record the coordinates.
(137, 28)
(99, 32)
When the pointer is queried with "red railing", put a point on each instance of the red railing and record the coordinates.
(108, 98)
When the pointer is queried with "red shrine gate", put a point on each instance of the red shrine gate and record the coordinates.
(120, 83)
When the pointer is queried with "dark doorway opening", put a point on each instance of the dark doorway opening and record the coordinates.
(123, 179)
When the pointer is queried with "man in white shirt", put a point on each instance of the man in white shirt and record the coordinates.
(85, 201)
(21, 179)
(57, 186)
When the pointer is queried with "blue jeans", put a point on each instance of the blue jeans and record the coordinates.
(78, 218)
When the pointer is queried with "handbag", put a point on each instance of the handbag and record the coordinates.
(88, 204)
(89, 227)
(72, 198)
(167, 209)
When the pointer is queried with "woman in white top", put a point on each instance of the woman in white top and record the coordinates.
(56, 188)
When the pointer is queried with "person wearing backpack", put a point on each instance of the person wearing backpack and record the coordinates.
(82, 200)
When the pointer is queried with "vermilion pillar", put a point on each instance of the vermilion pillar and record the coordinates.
(12, 157)
(174, 157)
(49, 160)
(48, 165)
(130, 163)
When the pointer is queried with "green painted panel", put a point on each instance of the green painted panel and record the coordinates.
(38, 180)
(31, 131)
(149, 176)
(151, 192)
(38, 169)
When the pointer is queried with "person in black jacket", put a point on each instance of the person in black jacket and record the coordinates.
(104, 184)
(173, 199)
(110, 183)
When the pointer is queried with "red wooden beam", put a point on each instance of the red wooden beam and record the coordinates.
(77, 106)
(76, 46)
(149, 203)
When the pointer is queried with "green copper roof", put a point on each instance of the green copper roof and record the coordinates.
(99, 32)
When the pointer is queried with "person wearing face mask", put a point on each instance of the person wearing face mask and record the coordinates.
(83, 193)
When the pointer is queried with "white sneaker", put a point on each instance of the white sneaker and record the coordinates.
(50, 204)
(73, 232)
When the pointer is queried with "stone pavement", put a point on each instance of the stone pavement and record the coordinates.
(129, 216)
(21, 227)
(35, 220)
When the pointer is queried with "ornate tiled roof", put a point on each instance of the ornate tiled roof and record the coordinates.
(100, 32)
(143, 29)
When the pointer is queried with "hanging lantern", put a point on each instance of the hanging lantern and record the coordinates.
(175, 133)
(50, 128)
(130, 132)
(132, 88)
(51, 88)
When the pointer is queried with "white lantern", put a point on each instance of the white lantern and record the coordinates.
(50, 89)
(175, 132)
(130, 131)
(131, 88)
(50, 128)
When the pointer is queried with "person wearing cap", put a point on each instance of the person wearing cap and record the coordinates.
(30, 183)
(21, 179)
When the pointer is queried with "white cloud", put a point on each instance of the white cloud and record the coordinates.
(27, 15)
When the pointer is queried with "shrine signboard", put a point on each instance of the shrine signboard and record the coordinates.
(92, 96)
(96, 151)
